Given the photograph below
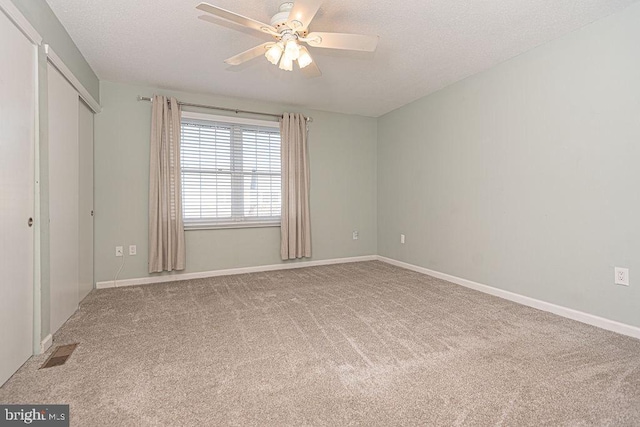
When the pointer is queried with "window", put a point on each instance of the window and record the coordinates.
(230, 172)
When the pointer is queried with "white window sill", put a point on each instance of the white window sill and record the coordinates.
(195, 227)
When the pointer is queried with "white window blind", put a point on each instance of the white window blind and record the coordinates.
(230, 173)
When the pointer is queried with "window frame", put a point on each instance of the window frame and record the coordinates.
(192, 225)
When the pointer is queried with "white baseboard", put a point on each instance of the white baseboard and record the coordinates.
(580, 316)
(590, 319)
(45, 344)
(229, 272)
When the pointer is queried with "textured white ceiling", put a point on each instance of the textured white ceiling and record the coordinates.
(424, 46)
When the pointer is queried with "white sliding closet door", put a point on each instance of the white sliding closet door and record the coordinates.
(85, 146)
(63, 198)
(17, 144)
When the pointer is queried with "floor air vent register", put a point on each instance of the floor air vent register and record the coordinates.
(59, 356)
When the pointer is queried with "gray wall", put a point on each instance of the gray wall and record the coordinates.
(525, 177)
(343, 188)
(40, 15)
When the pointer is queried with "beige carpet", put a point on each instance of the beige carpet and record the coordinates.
(352, 344)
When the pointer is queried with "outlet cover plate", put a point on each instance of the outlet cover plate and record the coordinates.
(119, 251)
(621, 276)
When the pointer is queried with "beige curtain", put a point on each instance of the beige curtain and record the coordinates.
(166, 229)
(295, 239)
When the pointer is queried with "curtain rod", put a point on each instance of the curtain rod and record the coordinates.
(212, 107)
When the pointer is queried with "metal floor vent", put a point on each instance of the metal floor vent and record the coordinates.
(59, 356)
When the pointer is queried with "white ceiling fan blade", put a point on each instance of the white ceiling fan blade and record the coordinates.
(302, 13)
(233, 17)
(311, 71)
(342, 41)
(248, 55)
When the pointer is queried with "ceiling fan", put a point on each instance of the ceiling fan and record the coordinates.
(290, 28)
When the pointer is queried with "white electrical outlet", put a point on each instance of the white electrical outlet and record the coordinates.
(621, 276)
(133, 250)
(402, 239)
(355, 235)
(119, 251)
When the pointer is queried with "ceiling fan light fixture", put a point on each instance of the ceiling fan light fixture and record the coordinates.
(292, 50)
(286, 63)
(274, 53)
(305, 58)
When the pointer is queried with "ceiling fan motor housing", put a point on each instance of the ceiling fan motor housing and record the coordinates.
(279, 21)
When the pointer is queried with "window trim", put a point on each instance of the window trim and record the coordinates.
(230, 119)
(257, 223)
